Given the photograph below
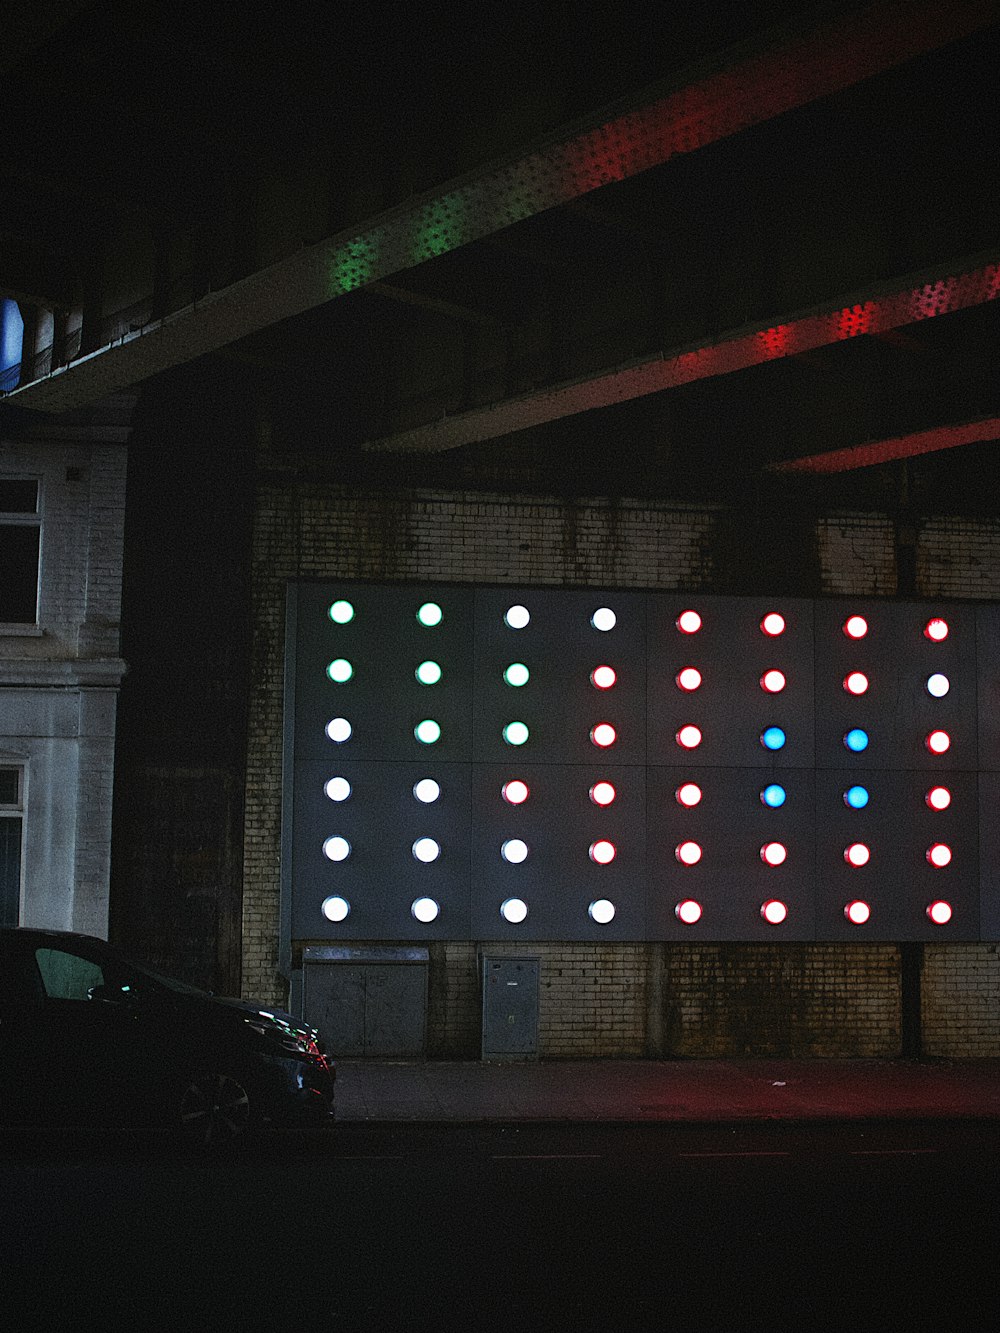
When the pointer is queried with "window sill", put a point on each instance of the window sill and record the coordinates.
(21, 631)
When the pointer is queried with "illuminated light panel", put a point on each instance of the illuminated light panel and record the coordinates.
(428, 673)
(938, 685)
(773, 624)
(515, 792)
(514, 910)
(515, 733)
(425, 910)
(603, 735)
(426, 790)
(857, 912)
(429, 615)
(938, 798)
(774, 912)
(517, 617)
(341, 612)
(689, 737)
(939, 912)
(336, 848)
(336, 908)
(688, 853)
(603, 852)
(855, 627)
(688, 911)
(856, 740)
(602, 793)
(936, 629)
(517, 674)
(858, 854)
(428, 731)
(604, 618)
(426, 850)
(773, 682)
(856, 797)
(603, 677)
(856, 683)
(938, 742)
(688, 679)
(939, 855)
(688, 794)
(338, 789)
(340, 671)
(772, 738)
(602, 911)
(339, 730)
(689, 622)
(514, 851)
(774, 853)
(774, 795)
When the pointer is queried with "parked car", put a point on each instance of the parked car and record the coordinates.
(88, 1037)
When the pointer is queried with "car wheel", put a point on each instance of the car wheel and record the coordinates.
(214, 1111)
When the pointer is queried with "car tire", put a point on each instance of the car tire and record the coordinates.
(214, 1111)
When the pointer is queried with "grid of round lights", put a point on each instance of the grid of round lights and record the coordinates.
(688, 911)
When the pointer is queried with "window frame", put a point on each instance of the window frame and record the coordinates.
(15, 810)
(12, 518)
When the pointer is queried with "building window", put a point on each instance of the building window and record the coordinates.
(11, 344)
(11, 829)
(20, 531)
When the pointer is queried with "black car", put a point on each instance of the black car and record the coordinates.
(87, 1037)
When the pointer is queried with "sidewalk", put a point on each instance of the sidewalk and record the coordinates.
(667, 1090)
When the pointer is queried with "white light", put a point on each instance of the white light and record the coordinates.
(514, 851)
(335, 908)
(689, 622)
(688, 794)
(428, 673)
(425, 910)
(426, 790)
(517, 617)
(515, 792)
(856, 683)
(430, 614)
(689, 737)
(936, 629)
(428, 731)
(857, 912)
(426, 850)
(603, 677)
(939, 855)
(938, 685)
(603, 735)
(341, 612)
(340, 670)
(938, 742)
(688, 679)
(688, 911)
(857, 854)
(604, 618)
(939, 912)
(774, 912)
(772, 681)
(515, 733)
(688, 853)
(339, 729)
(938, 798)
(602, 911)
(514, 910)
(603, 852)
(773, 853)
(338, 789)
(517, 674)
(773, 623)
(602, 793)
(336, 848)
(855, 627)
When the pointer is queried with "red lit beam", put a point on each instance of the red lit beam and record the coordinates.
(746, 87)
(913, 299)
(898, 446)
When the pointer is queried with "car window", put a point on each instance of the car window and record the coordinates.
(67, 976)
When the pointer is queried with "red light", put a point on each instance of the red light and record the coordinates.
(938, 798)
(936, 629)
(602, 793)
(857, 912)
(772, 681)
(857, 854)
(689, 622)
(688, 911)
(515, 792)
(603, 735)
(688, 853)
(856, 682)
(939, 855)
(602, 852)
(688, 737)
(689, 794)
(688, 679)
(774, 912)
(855, 627)
(938, 742)
(773, 623)
(939, 912)
(773, 853)
(603, 677)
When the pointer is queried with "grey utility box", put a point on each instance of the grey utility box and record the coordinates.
(367, 1001)
(510, 1008)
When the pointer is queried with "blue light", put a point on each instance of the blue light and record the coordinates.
(856, 740)
(856, 797)
(773, 795)
(773, 738)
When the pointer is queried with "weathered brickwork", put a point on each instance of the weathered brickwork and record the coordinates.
(857, 555)
(961, 999)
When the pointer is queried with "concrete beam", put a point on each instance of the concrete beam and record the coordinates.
(912, 445)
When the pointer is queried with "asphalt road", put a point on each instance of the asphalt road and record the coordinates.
(583, 1227)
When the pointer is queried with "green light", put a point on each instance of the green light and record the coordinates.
(353, 264)
(428, 673)
(515, 733)
(430, 614)
(340, 670)
(427, 732)
(341, 613)
(516, 674)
